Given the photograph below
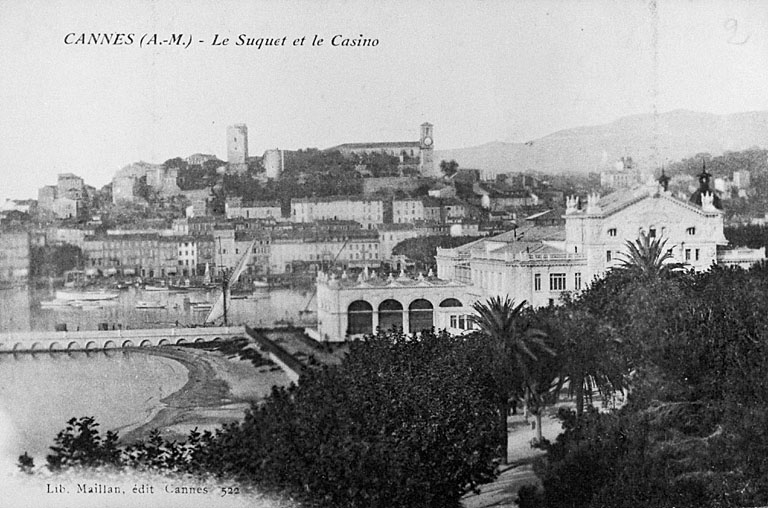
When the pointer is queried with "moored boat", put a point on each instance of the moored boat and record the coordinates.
(150, 305)
(85, 296)
(150, 287)
(53, 304)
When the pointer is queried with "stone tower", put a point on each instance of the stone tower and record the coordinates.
(273, 161)
(427, 146)
(237, 143)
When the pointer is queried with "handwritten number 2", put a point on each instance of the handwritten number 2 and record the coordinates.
(732, 25)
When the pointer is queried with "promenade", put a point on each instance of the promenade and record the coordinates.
(502, 492)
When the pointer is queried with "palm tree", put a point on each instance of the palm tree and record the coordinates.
(513, 353)
(648, 259)
(589, 355)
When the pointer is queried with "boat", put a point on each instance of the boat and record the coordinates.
(150, 305)
(85, 296)
(149, 287)
(86, 304)
(54, 304)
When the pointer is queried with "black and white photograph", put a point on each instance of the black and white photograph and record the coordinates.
(350, 254)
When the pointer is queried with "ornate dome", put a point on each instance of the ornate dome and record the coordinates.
(704, 179)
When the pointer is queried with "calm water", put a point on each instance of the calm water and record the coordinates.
(40, 392)
(20, 309)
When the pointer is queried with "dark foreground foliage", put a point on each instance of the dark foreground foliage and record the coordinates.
(402, 422)
(694, 431)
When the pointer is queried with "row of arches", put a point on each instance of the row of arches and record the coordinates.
(97, 345)
(391, 314)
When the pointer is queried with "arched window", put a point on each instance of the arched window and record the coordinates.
(420, 315)
(359, 317)
(390, 314)
(450, 302)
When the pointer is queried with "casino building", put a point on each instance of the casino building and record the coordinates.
(533, 263)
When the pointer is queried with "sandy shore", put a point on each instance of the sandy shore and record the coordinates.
(218, 390)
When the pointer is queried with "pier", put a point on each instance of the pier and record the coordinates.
(11, 342)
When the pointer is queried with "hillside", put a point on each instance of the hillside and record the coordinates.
(650, 140)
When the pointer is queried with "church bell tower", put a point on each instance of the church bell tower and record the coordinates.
(426, 145)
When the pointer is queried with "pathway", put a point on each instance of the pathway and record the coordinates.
(502, 492)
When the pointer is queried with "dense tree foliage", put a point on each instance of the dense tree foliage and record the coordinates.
(418, 422)
(402, 422)
(692, 432)
(449, 168)
(752, 236)
(516, 353)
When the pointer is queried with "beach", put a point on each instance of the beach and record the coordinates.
(219, 389)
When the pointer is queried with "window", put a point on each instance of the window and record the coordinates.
(577, 280)
(608, 256)
(691, 231)
(454, 321)
(537, 282)
(696, 254)
(687, 254)
(556, 281)
(612, 232)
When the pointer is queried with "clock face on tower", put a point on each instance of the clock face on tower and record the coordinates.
(427, 141)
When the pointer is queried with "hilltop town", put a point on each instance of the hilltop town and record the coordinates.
(360, 207)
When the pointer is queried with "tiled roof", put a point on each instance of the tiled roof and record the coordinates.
(373, 146)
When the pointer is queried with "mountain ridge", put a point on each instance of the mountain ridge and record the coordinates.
(650, 139)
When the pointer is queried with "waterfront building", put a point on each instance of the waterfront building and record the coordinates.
(367, 211)
(312, 249)
(351, 307)
(73, 236)
(538, 264)
(142, 254)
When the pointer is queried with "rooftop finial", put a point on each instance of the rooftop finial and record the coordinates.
(664, 180)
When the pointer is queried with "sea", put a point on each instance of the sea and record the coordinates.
(122, 389)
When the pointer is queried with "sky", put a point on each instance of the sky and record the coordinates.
(480, 71)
